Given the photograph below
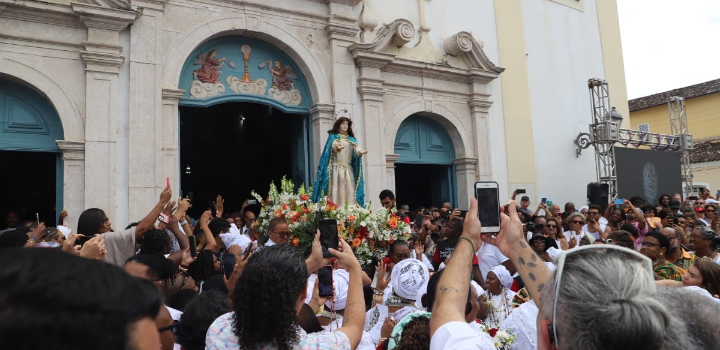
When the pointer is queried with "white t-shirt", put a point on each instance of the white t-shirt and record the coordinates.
(234, 237)
(119, 245)
(569, 235)
(489, 256)
(596, 235)
(459, 335)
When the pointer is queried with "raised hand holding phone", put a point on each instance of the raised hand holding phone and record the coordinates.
(328, 236)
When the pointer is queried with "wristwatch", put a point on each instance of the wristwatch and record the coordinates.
(164, 218)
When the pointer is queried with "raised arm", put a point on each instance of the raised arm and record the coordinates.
(147, 223)
(642, 222)
(354, 315)
(452, 289)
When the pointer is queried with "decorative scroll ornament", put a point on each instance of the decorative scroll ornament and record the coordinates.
(397, 33)
(463, 45)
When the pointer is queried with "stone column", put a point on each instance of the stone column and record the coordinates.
(170, 161)
(465, 177)
(150, 131)
(479, 111)
(323, 117)
(378, 173)
(102, 59)
(390, 160)
(73, 155)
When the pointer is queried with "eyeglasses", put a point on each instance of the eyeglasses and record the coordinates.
(283, 234)
(402, 256)
(649, 244)
(551, 226)
(710, 210)
(577, 253)
(577, 222)
(593, 212)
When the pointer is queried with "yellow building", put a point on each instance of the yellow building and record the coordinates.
(702, 106)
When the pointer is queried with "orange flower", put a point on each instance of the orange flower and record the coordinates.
(305, 210)
(296, 241)
(284, 206)
(356, 242)
(393, 224)
(392, 240)
(277, 213)
(303, 197)
(351, 217)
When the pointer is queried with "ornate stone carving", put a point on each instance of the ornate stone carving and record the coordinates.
(398, 33)
(463, 45)
(94, 16)
(257, 87)
(206, 90)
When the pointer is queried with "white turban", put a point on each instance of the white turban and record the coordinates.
(341, 281)
(503, 275)
(408, 277)
(554, 253)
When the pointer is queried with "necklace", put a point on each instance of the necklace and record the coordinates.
(493, 314)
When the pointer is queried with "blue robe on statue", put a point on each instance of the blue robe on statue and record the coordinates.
(322, 184)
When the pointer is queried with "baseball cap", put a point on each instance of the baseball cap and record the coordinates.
(525, 198)
(699, 210)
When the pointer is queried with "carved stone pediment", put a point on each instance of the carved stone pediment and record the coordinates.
(464, 46)
(398, 33)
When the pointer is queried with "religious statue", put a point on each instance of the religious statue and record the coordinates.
(339, 174)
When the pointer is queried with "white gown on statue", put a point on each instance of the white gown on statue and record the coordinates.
(342, 180)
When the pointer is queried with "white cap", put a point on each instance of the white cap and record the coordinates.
(65, 230)
(408, 277)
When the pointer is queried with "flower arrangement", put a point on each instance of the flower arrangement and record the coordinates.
(502, 338)
(369, 234)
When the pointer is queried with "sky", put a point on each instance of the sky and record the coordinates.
(668, 44)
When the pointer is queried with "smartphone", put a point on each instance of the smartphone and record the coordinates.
(325, 281)
(693, 198)
(487, 195)
(328, 236)
(544, 200)
(193, 246)
(252, 201)
(418, 220)
(718, 193)
(212, 209)
(190, 196)
(520, 190)
(619, 201)
(463, 213)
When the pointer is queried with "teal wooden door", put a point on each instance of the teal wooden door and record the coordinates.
(423, 141)
(29, 123)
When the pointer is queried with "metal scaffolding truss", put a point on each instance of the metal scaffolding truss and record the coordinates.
(679, 129)
(605, 132)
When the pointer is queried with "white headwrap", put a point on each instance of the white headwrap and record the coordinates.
(408, 277)
(503, 275)
(341, 281)
(554, 253)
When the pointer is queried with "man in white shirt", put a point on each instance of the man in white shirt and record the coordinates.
(278, 232)
(594, 227)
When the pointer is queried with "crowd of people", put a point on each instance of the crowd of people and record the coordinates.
(630, 275)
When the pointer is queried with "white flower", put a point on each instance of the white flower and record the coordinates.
(363, 223)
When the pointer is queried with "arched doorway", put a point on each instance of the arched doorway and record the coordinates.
(244, 120)
(32, 174)
(424, 171)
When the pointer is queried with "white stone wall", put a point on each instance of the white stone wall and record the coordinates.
(563, 52)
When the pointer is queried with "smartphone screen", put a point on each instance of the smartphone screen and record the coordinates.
(325, 281)
(520, 190)
(193, 246)
(488, 205)
(544, 200)
(618, 201)
(328, 236)
(252, 201)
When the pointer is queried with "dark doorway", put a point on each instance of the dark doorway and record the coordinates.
(29, 180)
(423, 184)
(234, 148)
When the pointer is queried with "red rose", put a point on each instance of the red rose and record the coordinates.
(492, 332)
(303, 197)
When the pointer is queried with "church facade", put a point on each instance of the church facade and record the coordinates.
(120, 95)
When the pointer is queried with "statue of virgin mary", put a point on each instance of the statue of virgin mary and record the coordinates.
(339, 174)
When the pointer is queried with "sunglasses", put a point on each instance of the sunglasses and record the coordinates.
(577, 222)
(551, 226)
(577, 253)
(594, 212)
